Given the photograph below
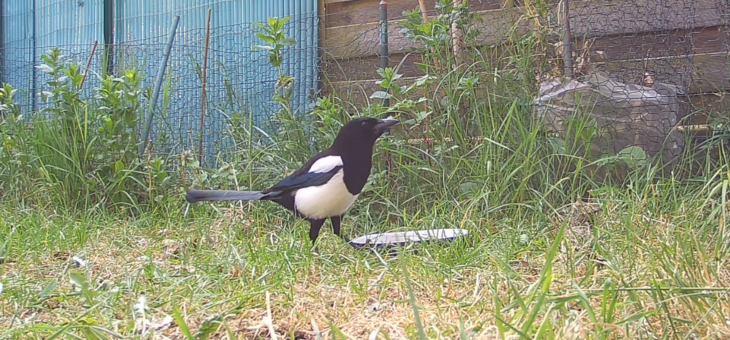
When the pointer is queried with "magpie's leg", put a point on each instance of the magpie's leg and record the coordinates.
(315, 226)
(336, 225)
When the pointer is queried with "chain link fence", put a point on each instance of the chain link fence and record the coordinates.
(240, 80)
(649, 78)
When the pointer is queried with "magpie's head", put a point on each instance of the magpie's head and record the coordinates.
(365, 129)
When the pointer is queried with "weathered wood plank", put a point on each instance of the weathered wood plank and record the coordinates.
(662, 43)
(588, 19)
(363, 40)
(367, 11)
(614, 48)
(367, 67)
(700, 74)
(600, 18)
(707, 105)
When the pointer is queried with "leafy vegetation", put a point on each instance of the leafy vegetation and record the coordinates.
(97, 242)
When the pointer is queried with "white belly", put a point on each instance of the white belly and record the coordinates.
(327, 200)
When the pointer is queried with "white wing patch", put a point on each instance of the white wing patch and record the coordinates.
(326, 200)
(325, 164)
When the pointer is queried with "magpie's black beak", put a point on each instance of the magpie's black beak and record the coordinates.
(385, 124)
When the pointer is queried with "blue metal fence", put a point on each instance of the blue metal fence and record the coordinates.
(240, 79)
(18, 52)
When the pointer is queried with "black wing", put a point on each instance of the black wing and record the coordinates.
(299, 180)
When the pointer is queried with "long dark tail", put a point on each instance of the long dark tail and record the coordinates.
(223, 195)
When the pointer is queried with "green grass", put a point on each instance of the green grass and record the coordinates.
(646, 267)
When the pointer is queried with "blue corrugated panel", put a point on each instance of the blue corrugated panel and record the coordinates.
(73, 26)
(18, 25)
(239, 78)
(34, 27)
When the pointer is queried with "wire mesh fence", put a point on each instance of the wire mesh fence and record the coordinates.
(239, 79)
(649, 77)
(623, 54)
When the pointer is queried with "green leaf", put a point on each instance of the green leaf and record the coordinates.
(633, 156)
(109, 125)
(181, 323)
(421, 115)
(263, 47)
(634, 317)
(289, 41)
(130, 119)
(44, 68)
(427, 79)
(118, 166)
(380, 95)
(81, 281)
(208, 327)
(49, 289)
(467, 188)
(4, 248)
(78, 279)
(275, 60)
(267, 39)
(558, 145)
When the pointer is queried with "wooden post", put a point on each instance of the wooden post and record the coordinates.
(321, 15)
(384, 57)
(457, 38)
(567, 45)
(202, 94)
(422, 5)
(88, 64)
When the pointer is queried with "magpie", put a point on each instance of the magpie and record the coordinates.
(324, 187)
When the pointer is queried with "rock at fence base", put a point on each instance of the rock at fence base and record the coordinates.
(613, 116)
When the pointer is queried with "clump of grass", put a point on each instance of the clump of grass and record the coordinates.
(80, 151)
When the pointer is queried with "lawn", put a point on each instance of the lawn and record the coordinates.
(621, 266)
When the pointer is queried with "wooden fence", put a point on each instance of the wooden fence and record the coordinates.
(683, 42)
